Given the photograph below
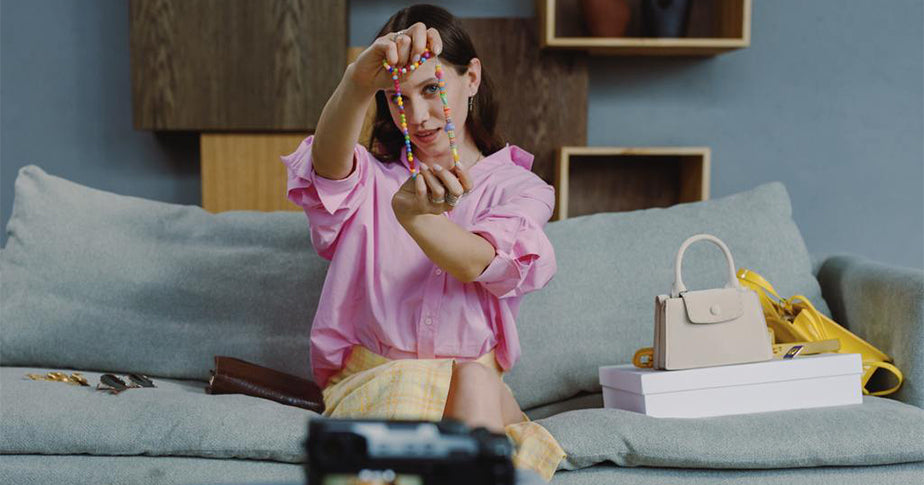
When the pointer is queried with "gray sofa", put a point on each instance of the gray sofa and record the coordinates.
(101, 282)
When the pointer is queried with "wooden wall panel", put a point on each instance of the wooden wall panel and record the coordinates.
(243, 171)
(365, 134)
(542, 93)
(230, 65)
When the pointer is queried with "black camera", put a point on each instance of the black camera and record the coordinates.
(380, 452)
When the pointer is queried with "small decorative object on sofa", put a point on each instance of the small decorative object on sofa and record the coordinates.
(704, 328)
(76, 378)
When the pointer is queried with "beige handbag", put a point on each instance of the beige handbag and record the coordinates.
(705, 328)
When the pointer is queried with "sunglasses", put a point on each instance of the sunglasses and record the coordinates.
(112, 384)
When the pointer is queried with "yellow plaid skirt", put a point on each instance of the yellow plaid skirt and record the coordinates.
(373, 386)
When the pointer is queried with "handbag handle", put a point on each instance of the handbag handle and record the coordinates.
(679, 287)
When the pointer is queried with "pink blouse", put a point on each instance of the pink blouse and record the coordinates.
(382, 292)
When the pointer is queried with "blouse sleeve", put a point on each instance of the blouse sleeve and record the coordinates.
(524, 258)
(329, 204)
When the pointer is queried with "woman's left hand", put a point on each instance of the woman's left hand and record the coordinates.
(434, 191)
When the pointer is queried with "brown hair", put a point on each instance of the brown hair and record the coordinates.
(387, 140)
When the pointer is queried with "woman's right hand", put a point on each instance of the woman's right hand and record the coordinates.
(398, 49)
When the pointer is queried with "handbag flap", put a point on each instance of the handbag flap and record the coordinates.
(713, 306)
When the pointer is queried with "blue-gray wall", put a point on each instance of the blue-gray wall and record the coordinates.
(828, 99)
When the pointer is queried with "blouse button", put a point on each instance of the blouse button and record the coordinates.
(428, 321)
(439, 272)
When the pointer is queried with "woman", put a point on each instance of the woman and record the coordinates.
(417, 316)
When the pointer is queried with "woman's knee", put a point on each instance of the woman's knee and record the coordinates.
(472, 376)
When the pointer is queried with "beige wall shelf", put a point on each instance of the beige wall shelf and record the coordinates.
(615, 179)
(716, 26)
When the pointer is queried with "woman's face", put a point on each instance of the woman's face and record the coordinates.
(423, 108)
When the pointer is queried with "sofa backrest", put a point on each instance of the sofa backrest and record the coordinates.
(98, 281)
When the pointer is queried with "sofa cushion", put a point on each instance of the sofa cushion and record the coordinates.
(581, 401)
(96, 280)
(599, 308)
(905, 473)
(145, 470)
(177, 418)
(878, 432)
(148, 470)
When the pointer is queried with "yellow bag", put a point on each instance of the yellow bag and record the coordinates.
(796, 320)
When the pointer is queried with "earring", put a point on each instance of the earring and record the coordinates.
(470, 100)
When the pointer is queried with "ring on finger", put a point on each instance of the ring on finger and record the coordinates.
(436, 201)
(452, 199)
(394, 37)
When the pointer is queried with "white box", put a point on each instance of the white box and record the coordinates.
(804, 382)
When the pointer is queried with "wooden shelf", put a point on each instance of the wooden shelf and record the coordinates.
(715, 26)
(615, 179)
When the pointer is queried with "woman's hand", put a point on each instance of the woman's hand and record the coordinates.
(398, 49)
(434, 191)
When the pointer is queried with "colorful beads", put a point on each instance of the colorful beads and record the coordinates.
(450, 127)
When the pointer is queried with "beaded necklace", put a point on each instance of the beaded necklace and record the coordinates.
(450, 127)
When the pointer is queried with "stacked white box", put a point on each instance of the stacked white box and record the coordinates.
(775, 385)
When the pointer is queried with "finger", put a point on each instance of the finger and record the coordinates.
(463, 177)
(434, 40)
(391, 54)
(418, 35)
(436, 187)
(423, 194)
(420, 187)
(404, 48)
(449, 180)
(388, 49)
